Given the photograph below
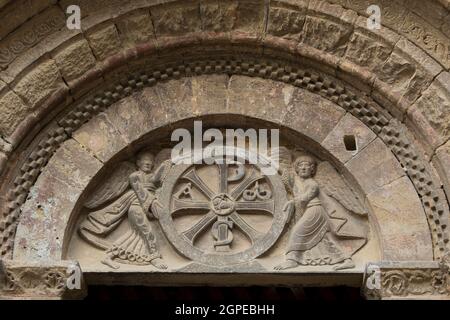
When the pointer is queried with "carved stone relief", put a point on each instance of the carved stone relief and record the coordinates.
(226, 214)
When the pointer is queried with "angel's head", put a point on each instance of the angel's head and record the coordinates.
(145, 160)
(305, 166)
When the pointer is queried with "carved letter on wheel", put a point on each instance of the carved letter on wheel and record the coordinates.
(221, 206)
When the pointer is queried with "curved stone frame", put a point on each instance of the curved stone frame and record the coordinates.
(420, 172)
(380, 122)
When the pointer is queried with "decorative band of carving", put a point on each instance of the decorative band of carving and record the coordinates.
(41, 280)
(360, 106)
(408, 280)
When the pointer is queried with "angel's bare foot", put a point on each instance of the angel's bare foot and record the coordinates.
(108, 261)
(289, 264)
(347, 264)
(158, 263)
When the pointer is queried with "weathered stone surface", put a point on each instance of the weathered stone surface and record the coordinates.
(176, 20)
(326, 35)
(442, 162)
(209, 94)
(367, 52)
(348, 126)
(136, 28)
(254, 96)
(176, 98)
(2, 86)
(311, 115)
(75, 59)
(30, 34)
(3, 161)
(104, 41)
(225, 16)
(424, 280)
(40, 83)
(40, 234)
(403, 78)
(424, 35)
(285, 22)
(43, 280)
(219, 16)
(14, 16)
(100, 137)
(13, 110)
(434, 107)
(136, 115)
(375, 167)
(395, 205)
(434, 14)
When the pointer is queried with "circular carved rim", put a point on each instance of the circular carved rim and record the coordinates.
(187, 249)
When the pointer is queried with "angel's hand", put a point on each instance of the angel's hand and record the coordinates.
(155, 208)
(289, 208)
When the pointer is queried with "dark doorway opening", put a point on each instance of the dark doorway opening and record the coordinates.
(224, 294)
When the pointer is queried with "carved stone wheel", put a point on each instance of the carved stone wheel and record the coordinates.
(215, 203)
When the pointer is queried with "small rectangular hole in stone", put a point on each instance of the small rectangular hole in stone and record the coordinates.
(350, 143)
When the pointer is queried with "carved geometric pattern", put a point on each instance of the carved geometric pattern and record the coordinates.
(398, 280)
(379, 121)
(221, 211)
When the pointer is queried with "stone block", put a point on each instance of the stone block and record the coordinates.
(136, 28)
(176, 98)
(375, 167)
(403, 227)
(431, 112)
(100, 137)
(348, 126)
(254, 96)
(74, 59)
(40, 83)
(104, 41)
(312, 115)
(326, 35)
(209, 94)
(137, 114)
(175, 19)
(45, 215)
(13, 110)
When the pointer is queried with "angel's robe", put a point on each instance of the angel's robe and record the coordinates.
(314, 236)
(101, 222)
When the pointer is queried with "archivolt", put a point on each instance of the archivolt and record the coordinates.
(268, 45)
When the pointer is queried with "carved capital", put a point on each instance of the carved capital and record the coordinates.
(407, 280)
(41, 280)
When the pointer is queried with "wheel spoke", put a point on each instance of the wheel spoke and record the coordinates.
(192, 176)
(249, 231)
(223, 176)
(203, 223)
(189, 204)
(252, 177)
(267, 206)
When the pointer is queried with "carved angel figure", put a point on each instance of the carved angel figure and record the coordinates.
(331, 220)
(134, 195)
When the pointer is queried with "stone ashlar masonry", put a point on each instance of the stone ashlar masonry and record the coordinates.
(404, 67)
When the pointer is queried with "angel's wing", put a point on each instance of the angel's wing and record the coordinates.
(163, 163)
(116, 184)
(331, 182)
(285, 166)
